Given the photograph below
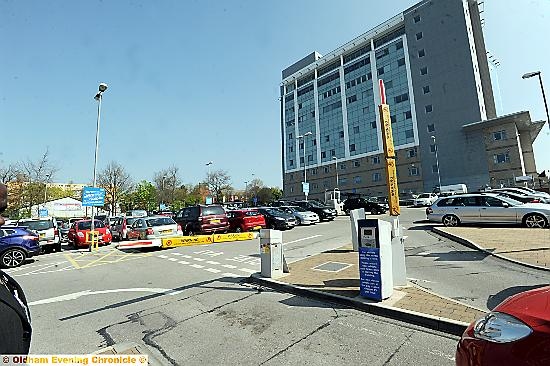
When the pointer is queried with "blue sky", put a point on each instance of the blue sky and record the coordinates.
(197, 81)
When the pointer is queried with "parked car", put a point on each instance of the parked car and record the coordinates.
(202, 219)
(357, 202)
(522, 196)
(425, 199)
(79, 230)
(47, 231)
(154, 227)
(120, 229)
(324, 212)
(136, 213)
(523, 190)
(64, 230)
(513, 333)
(277, 219)
(381, 200)
(245, 220)
(303, 216)
(487, 208)
(407, 199)
(16, 245)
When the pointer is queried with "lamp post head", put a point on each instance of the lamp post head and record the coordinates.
(102, 87)
(530, 74)
(209, 163)
(308, 133)
(433, 138)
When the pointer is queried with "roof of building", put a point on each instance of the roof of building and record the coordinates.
(521, 119)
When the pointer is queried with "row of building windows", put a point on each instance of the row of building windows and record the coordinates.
(305, 90)
(357, 65)
(359, 80)
(332, 92)
(328, 79)
(332, 106)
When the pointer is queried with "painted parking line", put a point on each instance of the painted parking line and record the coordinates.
(233, 275)
(72, 261)
(229, 266)
(183, 262)
(98, 260)
(213, 262)
(196, 266)
(247, 270)
(213, 270)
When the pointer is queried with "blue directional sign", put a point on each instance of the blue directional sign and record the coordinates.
(43, 212)
(92, 196)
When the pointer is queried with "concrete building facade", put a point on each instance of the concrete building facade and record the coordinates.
(433, 61)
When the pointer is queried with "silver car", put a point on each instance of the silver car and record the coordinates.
(154, 227)
(303, 216)
(488, 208)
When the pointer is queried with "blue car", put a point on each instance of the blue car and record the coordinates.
(16, 245)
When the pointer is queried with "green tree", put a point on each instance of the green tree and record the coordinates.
(116, 182)
(143, 197)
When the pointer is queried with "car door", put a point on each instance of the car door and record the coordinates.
(466, 208)
(494, 210)
(72, 232)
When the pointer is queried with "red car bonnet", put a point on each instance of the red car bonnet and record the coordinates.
(532, 307)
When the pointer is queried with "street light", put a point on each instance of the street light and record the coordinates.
(303, 137)
(98, 97)
(336, 168)
(437, 163)
(46, 188)
(162, 193)
(538, 73)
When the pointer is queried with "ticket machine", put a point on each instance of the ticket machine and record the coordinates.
(375, 258)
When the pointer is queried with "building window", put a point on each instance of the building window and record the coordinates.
(376, 177)
(312, 114)
(434, 168)
(393, 119)
(499, 135)
(401, 98)
(426, 89)
(352, 99)
(365, 110)
(356, 129)
(413, 171)
(501, 158)
(388, 84)
(301, 145)
(416, 18)
(431, 127)
(428, 108)
(352, 147)
(325, 183)
(291, 189)
(310, 158)
(369, 75)
(314, 142)
(357, 179)
(314, 171)
(401, 62)
(356, 164)
(332, 152)
(399, 45)
(381, 70)
(341, 134)
(423, 70)
(299, 105)
(421, 53)
(290, 136)
(291, 163)
(323, 154)
(373, 124)
(433, 148)
(376, 159)
(419, 36)
(411, 153)
(291, 148)
(342, 166)
(409, 134)
(327, 138)
(302, 160)
(408, 114)
(344, 181)
(326, 169)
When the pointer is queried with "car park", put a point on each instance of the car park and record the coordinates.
(47, 231)
(324, 212)
(120, 229)
(354, 203)
(303, 216)
(202, 219)
(155, 227)
(425, 199)
(487, 208)
(515, 332)
(78, 233)
(245, 220)
(17, 243)
(277, 219)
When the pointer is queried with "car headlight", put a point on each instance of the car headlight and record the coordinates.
(500, 328)
(80, 234)
(280, 218)
(326, 210)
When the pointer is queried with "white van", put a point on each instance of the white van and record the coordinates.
(453, 189)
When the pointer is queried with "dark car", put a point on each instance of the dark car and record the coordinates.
(202, 219)
(16, 245)
(325, 213)
(277, 219)
(355, 203)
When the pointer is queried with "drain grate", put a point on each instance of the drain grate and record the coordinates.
(332, 267)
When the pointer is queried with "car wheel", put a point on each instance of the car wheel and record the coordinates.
(450, 220)
(12, 258)
(75, 243)
(535, 221)
(346, 211)
(238, 229)
(298, 221)
(58, 247)
(190, 232)
(272, 227)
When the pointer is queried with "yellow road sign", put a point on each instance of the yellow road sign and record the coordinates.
(389, 153)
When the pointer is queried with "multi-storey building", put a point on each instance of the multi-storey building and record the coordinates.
(434, 65)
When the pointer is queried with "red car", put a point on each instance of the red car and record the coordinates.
(516, 332)
(77, 233)
(245, 220)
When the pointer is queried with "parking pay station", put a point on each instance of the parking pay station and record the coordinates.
(271, 253)
(375, 259)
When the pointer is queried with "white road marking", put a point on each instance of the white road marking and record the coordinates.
(247, 270)
(177, 254)
(187, 256)
(163, 256)
(213, 270)
(41, 269)
(198, 259)
(173, 259)
(77, 295)
(197, 266)
(231, 275)
(183, 262)
(298, 240)
(212, 262)
(229, 266)
(419, 280)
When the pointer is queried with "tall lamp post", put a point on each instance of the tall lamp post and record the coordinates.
(303, 138)
(335, 158)
(208, 165)
(245, 191)
(98, 97)
(437, 163)
(161, 204)
(46, 188)
(538, 73)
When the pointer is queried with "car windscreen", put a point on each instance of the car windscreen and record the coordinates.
(160, 221)
(212, 210)
(252, 213)
(510, 201)
(316, 204)
(87, 225)
(424, 195)
(37, 224)
(130, 220)
(298, 209)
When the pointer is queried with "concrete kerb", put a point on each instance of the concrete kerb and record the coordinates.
(475, 246)
(440, 324)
